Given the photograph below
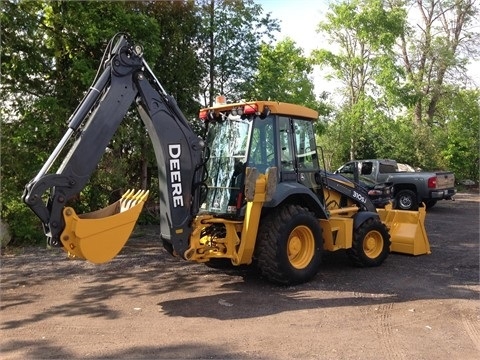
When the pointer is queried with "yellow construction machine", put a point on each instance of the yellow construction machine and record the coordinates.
(250, 190)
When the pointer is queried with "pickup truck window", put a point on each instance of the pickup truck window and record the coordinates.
(347, 169)
(387, 168)
(367, 167)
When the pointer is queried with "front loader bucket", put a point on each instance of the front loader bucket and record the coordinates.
(100, 235)
(407, 230)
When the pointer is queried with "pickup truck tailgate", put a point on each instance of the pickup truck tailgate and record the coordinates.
(445, 180)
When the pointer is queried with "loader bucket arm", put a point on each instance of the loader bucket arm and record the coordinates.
(124, 79)
(406, 228)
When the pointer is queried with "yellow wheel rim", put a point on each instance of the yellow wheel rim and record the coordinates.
(373, 244)
(301, 247)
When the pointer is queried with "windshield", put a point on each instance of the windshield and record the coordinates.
(228, 143)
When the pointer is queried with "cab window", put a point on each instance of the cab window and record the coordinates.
(286, 157)
(305, 145)
(262, 152)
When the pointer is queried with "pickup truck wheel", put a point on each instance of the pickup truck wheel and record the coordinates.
(406, 200)
(289, 245)
(371, 244)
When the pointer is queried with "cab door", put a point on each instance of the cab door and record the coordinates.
(306, 157)
(285, 149)
(298, 152)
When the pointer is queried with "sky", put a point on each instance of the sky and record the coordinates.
(299, 20)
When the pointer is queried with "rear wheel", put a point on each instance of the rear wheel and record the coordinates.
(406, 200)
(371, 244)
(289, 245)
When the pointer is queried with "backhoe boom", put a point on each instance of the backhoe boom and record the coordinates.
(125, 78)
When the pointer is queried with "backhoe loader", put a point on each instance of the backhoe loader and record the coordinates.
(250, 190)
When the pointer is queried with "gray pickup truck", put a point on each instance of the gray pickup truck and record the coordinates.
(410, 189)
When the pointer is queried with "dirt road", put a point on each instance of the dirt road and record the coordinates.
(148, 305)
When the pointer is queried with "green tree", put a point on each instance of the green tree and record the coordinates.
(434, 51)
(377, 133)
(178, 65)
(284, 74)
(230, 39)
(179, 70)
(460, 147)
(365, 34)
(50, 53)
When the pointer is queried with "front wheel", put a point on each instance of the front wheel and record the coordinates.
(371, 244)
(289, 245)
(406, 200)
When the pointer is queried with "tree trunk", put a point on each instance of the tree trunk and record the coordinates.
(211, 91)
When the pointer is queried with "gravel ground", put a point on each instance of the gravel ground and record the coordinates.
(146, 304)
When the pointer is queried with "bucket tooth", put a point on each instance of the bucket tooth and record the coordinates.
(100, 235)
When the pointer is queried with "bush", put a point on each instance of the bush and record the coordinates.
(5, 236)
(24, 226)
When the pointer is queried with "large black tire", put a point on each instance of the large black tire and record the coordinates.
(289, 245)
(371, 244)
(406, 200)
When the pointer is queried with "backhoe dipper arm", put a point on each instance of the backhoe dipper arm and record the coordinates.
(124, 78)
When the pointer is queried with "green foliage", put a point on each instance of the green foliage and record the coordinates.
(22, 222)
(461, 146)
(230, 39)
(283, 75)
(332, 144)
(402, 103)
(361, 128)
(51, 51)
(365, 33)
(50, 54)
(433, 53)
(178, 66)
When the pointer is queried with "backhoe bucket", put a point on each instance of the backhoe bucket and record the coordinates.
(407, 230)
(100, 235)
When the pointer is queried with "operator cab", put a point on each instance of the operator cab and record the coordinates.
(261, 135)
